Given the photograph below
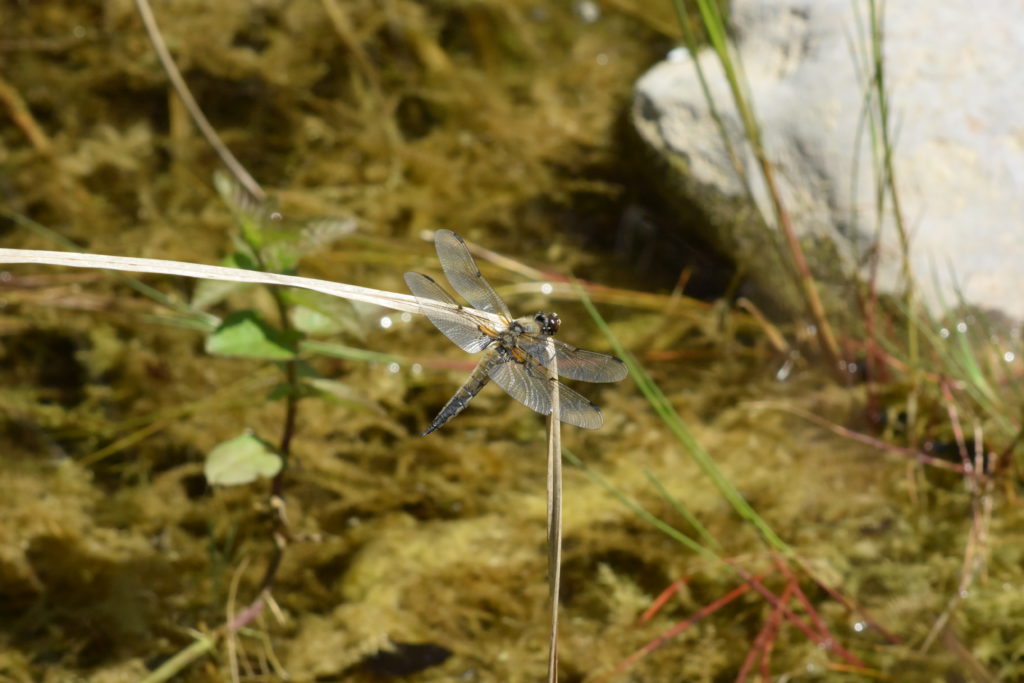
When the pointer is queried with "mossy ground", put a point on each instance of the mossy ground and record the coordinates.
(497, 120)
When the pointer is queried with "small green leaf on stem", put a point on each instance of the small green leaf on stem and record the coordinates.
(321, 315)
(245, 334)
(241, 460)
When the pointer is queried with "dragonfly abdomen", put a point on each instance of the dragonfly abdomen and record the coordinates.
(472, 386)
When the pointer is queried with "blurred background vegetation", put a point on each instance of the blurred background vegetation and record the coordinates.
(506, 122)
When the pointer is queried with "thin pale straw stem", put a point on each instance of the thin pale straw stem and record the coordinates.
(554, 509)
(229, 160)
(392, 300)
(230, 637)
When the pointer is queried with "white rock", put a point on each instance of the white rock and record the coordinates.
(956, 91)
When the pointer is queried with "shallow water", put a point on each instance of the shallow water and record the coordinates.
(502, 121)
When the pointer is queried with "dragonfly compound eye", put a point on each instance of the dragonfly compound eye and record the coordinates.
(549, 322)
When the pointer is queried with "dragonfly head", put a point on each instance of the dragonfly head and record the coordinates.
(549, 323)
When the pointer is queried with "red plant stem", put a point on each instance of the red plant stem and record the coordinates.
(829, 645)
(760, 641)
(774, 622)
(842, 600)
(662, 598)
(802, 597)
(839, 430)
(958, 432)
(653, 645)
(810, 290)
(246, 616)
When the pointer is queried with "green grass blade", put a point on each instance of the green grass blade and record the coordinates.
(684, 512)
(661, 405)
(637, 509)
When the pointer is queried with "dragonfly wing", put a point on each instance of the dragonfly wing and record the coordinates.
(529, 384)
(454, 324)
(580, 364)
(463, 274)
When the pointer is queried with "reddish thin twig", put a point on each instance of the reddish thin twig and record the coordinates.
(839, 430)
(774, 623)
(806, 280)
(819, 623)
(829, 645)
(845, 602)
(768, 630)
(662, 598)
(980, 487)
(653, 645)
(954, 422)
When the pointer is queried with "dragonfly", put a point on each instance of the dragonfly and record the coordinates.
(520, 351)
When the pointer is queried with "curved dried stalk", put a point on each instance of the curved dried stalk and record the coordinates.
(392, 300)
(233, 164)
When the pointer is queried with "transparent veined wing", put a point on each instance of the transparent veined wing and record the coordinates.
(458, 326)
(574, 363)
(529, 384)
(464, 276)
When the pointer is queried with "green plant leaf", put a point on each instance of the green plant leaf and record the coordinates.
(241, 460)
(245, 334)
(322, 315)
(313, 322)
(280, 253)
(250, 213)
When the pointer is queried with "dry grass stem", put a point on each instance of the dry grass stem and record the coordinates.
(554, 507)
(385, 299)
(234, 165)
